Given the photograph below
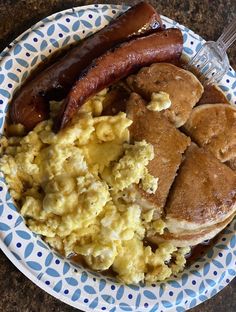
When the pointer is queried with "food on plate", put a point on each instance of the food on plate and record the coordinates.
(214, 128)
(169, 144)
(159, 101)
(75, 189)
(120, 185)
(116, 64)
(31, 106)
(183, 87)
(202, 200)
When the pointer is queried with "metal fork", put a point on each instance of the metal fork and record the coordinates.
(211, 60)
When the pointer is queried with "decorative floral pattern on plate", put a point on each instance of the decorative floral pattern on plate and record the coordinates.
(67, 281)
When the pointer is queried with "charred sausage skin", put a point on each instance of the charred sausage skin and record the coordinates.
(30, 106)
(116, 64)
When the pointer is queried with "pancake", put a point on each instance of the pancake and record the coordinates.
(191, 238)
(214, 128)
(182, 86)
(202, 200)
(169, 145)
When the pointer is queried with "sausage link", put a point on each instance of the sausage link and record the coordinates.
(118, 63)
(30, 106)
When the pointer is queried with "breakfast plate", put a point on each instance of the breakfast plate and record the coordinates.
(60, 277)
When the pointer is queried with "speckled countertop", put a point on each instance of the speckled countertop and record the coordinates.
(205, 17)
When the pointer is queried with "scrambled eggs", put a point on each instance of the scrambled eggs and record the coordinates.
(72, 189)
(159, 101)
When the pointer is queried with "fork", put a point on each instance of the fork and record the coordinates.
(211, 60)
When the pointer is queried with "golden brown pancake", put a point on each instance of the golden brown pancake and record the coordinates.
(182, 86)
(203, 193)
(214, 127)
(191, 238)
(202, 200)
(168, 142)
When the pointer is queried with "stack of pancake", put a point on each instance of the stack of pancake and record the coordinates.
(202, 200)
(196, 193)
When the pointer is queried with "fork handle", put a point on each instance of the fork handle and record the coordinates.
(228, 36)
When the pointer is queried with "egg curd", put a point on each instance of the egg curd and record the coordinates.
(74, 188)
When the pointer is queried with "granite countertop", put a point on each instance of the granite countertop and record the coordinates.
(207, 18)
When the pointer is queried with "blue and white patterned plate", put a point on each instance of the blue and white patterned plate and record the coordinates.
(67, 281)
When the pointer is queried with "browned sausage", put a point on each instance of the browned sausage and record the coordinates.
(30, 106)
(118, 63)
